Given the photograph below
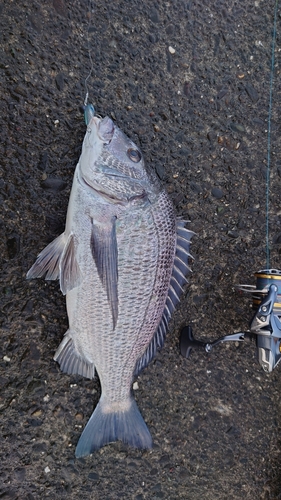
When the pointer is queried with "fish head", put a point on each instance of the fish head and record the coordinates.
(112, 165)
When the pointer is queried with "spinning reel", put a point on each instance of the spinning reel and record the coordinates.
(264, 328)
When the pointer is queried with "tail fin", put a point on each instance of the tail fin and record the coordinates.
(103, 428)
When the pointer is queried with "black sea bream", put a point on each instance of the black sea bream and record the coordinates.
(122, 262)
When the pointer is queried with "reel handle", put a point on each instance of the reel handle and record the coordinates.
(188, 342)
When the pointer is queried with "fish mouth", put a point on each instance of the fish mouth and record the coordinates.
(104, 127)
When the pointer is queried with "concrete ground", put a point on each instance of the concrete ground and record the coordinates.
(189, 82)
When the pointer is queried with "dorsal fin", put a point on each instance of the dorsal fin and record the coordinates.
(178, 279)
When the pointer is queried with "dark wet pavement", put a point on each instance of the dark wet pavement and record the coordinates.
(189, 82)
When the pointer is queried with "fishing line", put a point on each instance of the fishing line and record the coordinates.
(269, 136)
(90, 6)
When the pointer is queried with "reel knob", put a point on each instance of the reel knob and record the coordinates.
(188, 342)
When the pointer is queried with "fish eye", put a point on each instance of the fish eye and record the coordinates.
(134, 155)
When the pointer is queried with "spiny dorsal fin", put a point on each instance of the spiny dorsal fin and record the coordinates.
(105, 254)
(178, 279)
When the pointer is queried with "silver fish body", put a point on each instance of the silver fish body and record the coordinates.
(121, 261)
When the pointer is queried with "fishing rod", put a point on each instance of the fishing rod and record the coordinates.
(265, 326)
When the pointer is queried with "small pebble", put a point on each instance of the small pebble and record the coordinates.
(171, 50)
(233, 234)
(37, 413)
(217, 192)
(60, 7)
(59, 81)
(160, 170)
(252, 93)
(237, 127)
(53, 184)
(135, 386)
(222, 93)
(93, 476)
(154, 16)
(186, 88)
(170, 29)
(20, 474)
(43, 163)
(6, 358)
(211, 136)
(47, 469)
(13, 246)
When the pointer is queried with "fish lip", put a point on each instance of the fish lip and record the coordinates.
(96, 120)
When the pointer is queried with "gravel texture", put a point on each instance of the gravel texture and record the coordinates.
(189, 82)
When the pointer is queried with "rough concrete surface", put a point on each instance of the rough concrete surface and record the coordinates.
(189, 82)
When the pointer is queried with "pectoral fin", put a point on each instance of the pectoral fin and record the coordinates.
(58, 260)
(105, 254)
(70, 275)
(48, 260)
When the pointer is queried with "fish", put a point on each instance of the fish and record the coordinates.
(122, 262)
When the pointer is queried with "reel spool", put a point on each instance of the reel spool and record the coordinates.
(265, 278)
(265, 326)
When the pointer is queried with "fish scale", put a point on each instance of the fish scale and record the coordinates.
(122, 262)
(131, 312)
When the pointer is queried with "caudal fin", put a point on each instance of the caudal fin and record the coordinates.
(103, 428)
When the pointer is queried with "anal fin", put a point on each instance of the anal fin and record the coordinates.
(70, 360)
